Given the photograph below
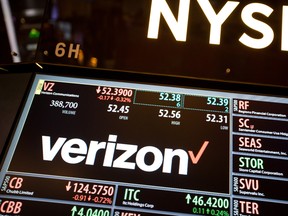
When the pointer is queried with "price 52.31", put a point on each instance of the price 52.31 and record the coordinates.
(217, 118)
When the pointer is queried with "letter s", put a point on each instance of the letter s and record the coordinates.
(266, 30)
(242, 184)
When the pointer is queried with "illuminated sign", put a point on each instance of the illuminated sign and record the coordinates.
(179, 26)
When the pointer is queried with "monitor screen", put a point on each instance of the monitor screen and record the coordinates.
(91, 146)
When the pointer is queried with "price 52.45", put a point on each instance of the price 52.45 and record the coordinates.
(114, 108)
(217, 118)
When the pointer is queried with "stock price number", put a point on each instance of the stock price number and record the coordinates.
(214, 101)
(89, 212)
(221, 102)
(174, 114)
(81, 188)
(64, 104)
(213, 202)
(164, 96)
(114, 108)
(114, 91)
(217, 118)
(211, 206)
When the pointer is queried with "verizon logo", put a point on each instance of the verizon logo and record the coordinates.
(75, 151)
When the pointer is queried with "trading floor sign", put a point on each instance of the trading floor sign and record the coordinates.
(179, 26)
(235, 40)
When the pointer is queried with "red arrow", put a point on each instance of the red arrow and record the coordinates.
(68, 186)
(98, 90)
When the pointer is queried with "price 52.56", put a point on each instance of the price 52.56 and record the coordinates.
(174, 114)
(217, 118)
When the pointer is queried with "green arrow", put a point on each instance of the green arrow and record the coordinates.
(73, 210)
(188, 198)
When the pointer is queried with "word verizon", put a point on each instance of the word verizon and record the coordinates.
(74, 151)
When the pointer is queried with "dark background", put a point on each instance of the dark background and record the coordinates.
(112, 34)
(13, 88)
(115, 33)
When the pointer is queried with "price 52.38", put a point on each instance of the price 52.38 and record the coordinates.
(217, 118)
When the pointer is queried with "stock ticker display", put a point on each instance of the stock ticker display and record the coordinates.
(86, 147)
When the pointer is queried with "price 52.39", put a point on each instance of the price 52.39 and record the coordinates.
(217, 118)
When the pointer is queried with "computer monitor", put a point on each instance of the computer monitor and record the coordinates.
(118, 143)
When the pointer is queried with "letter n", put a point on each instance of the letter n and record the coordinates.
(178, 27)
